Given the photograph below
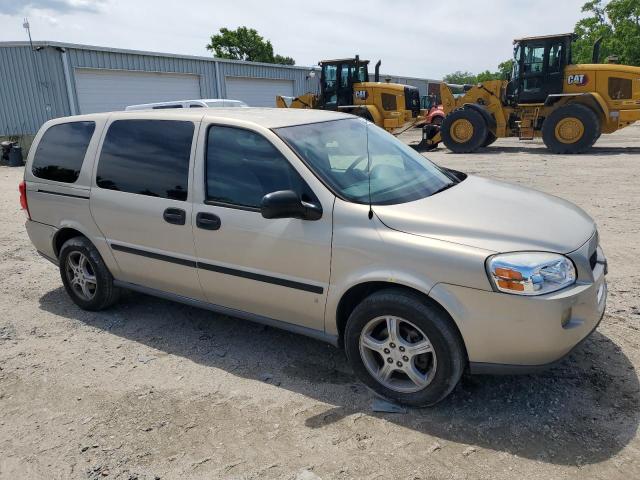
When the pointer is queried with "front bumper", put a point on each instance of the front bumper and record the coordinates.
(506, 333)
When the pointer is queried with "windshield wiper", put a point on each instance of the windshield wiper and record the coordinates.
(443, 188)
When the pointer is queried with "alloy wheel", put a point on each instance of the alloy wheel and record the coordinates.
(397, 354)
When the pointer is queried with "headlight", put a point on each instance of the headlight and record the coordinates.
(530, 273)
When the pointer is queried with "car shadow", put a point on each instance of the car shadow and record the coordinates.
(583, 411)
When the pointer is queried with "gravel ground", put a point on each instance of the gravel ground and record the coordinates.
(152, 389)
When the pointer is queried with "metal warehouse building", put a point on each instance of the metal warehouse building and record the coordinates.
(57, 79)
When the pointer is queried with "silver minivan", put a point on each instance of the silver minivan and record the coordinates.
(322, 224)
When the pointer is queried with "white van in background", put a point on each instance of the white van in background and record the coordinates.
(203, 103)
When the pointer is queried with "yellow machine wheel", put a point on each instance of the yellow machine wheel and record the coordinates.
(461, 130)
(572, 128)
(464, 130)
(569, 130)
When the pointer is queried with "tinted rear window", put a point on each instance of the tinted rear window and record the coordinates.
(147, 157)
(61, 151)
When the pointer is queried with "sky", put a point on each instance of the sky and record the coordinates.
(418, 38)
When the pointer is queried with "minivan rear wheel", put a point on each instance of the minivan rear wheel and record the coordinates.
(404, 347)
(85, 276)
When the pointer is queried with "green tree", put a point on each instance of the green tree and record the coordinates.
(460, 78)
(617, 22)
(506, 68)
(245, 44)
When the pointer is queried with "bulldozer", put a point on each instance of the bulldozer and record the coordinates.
(546, 96)
(345, 87)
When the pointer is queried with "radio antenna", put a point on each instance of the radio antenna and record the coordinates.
(369, 169)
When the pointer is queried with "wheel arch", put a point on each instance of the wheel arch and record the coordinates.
(355, 294)
(592, 100)
(64, 234)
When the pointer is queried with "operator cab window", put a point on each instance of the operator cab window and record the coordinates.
(345, 75)
(533, 58)
(61, 151)
(147, 157)
(242, 167)
(330, 75)
(533, 68)
(363, 76)
(556, 55)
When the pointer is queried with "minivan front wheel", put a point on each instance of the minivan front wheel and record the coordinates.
(85, 276)
(404, 347)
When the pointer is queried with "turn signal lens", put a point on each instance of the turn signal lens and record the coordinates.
(530, 273)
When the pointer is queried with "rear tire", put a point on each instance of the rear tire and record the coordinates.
(491, 138)
(571, 129)
(420, 324)
(85, 276)
(464, 130)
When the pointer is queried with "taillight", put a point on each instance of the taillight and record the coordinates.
(22, 188)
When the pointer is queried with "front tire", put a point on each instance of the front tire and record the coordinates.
(571, 129)
(404, 347)
(85, 276)
(464, 130)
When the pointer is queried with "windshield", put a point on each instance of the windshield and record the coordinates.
(340, 152)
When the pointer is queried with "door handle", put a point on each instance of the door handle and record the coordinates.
(208, 221)
(176, 216)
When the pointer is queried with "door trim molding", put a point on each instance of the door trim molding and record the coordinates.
(154, 255)
(283, 282)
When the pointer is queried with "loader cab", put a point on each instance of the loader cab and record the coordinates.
(539, 64)
(337, 78)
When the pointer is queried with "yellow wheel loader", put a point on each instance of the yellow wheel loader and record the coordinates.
(345, 87)
(568, 106)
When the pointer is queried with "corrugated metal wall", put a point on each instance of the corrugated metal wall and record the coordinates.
(421, 84)
(28, 99)
(26, 103)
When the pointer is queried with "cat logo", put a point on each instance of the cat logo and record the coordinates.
(361, 94)
(578, 79)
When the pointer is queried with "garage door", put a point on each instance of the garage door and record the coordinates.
(110, 90)
(257, 92)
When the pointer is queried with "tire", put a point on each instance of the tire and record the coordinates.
(437, 120)
(576, 118)
(461, 122)
(491, 138)
(80, 263)
(417, 317)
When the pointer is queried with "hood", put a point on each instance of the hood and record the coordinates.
(493, 216)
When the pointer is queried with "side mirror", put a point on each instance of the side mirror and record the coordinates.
(287, 204)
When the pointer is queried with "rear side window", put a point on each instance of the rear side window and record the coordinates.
(243, 166)
(147, 157)
(61, 151)
(620, 88)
